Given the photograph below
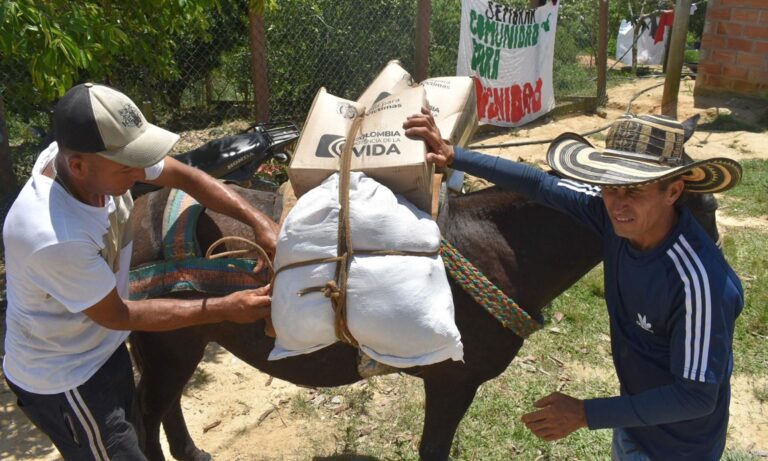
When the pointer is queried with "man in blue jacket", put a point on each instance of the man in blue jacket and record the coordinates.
(672, 298)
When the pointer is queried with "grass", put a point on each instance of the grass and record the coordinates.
(750, 198)
(745, 250)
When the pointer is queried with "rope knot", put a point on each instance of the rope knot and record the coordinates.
(331, 290)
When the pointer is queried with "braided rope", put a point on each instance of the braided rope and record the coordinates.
(485, 293)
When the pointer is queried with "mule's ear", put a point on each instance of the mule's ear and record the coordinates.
(690, 126)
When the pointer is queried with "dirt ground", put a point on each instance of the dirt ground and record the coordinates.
(227, 399)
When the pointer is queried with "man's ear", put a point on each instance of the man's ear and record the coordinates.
(77, 165)
(690, 126)
(674, 191)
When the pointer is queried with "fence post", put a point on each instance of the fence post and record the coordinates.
(7, 178)
(423, 16)
(258, 41)
(602, 54)
(675, 60)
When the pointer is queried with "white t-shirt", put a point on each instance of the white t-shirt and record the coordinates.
(61, 257)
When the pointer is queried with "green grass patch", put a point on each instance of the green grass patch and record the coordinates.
(691, 56)
(750, 197)
(745, 250)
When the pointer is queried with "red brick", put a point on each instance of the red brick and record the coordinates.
(749, 16)
(746, 87)
(761, 47)
(731, 29)
(751, 60)
(759, 32)
(713, 42)
(712, 68)
(758, 75)
(764, 17)
(714, 13)
(717, 82)
(723, 56)
(735, 72)
(739, 44)
(745, 3)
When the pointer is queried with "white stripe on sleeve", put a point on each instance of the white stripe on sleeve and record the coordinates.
(688, 310)
(580, 187)
(707, 307)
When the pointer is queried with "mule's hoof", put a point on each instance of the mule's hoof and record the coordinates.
(196, 455)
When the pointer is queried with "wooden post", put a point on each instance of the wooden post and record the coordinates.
(675, 61)
(602, 55)
(421, 57)
(258, 39)
(7, 178)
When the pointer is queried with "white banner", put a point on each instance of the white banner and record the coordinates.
(510, 53)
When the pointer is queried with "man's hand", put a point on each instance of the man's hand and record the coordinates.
(560, 415)
(247, 306)
(265, 231)
(423, 125)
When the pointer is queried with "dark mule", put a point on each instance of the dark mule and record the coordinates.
(531, 252)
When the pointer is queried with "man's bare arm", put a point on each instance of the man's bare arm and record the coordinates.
(218, 197)
(169, 314)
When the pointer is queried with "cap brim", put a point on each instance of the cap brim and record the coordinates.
(146, 150)
(574, 157)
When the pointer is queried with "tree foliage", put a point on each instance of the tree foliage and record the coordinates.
(58, 42)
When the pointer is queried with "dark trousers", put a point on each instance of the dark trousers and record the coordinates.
(94, 420)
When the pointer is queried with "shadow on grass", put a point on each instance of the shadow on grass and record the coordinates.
(345, 457)
(728, 122)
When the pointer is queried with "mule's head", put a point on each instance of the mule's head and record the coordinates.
(703, 207)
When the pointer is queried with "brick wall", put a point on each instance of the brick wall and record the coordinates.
(734, 49)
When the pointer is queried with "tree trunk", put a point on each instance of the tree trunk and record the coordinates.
(7, 178)
(258, 41)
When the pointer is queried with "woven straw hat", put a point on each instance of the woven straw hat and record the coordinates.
(641, 150)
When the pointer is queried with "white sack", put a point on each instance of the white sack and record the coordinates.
(399, 308)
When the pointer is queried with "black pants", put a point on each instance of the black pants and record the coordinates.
(94, 420)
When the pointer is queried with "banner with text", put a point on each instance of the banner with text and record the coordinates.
(510, 53)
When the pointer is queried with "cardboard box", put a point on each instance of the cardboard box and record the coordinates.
(392, 79)
(380, 149)
(453, 103)
(322, 140)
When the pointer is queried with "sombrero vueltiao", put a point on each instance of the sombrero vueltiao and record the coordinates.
(641, 150)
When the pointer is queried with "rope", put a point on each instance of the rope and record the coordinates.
(263, 260)
(336, 290)
(485, 293)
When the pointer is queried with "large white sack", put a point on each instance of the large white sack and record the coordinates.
(399, 308)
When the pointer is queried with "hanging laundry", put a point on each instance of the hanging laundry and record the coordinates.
(648, 51)
(665, 19)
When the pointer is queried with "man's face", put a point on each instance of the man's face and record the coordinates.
(643, 215)
(107, 177)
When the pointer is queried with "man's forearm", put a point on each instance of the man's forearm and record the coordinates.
(166, 314)
(666, 404)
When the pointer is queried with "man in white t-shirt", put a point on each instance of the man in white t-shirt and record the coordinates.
(67, 254)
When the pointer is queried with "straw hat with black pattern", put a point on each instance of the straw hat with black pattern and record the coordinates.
(641, 150)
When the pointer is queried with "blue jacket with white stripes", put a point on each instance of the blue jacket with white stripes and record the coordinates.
(672, 311)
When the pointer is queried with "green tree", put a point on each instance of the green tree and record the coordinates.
(54, 44)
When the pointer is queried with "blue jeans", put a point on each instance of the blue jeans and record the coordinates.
(625, 449)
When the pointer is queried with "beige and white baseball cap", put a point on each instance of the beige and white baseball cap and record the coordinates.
(97, 119)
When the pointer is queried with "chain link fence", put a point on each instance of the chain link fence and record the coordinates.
(338, 44)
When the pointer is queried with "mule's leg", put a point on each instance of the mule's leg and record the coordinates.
(446, 403)
(180, 442)
(167, 361)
